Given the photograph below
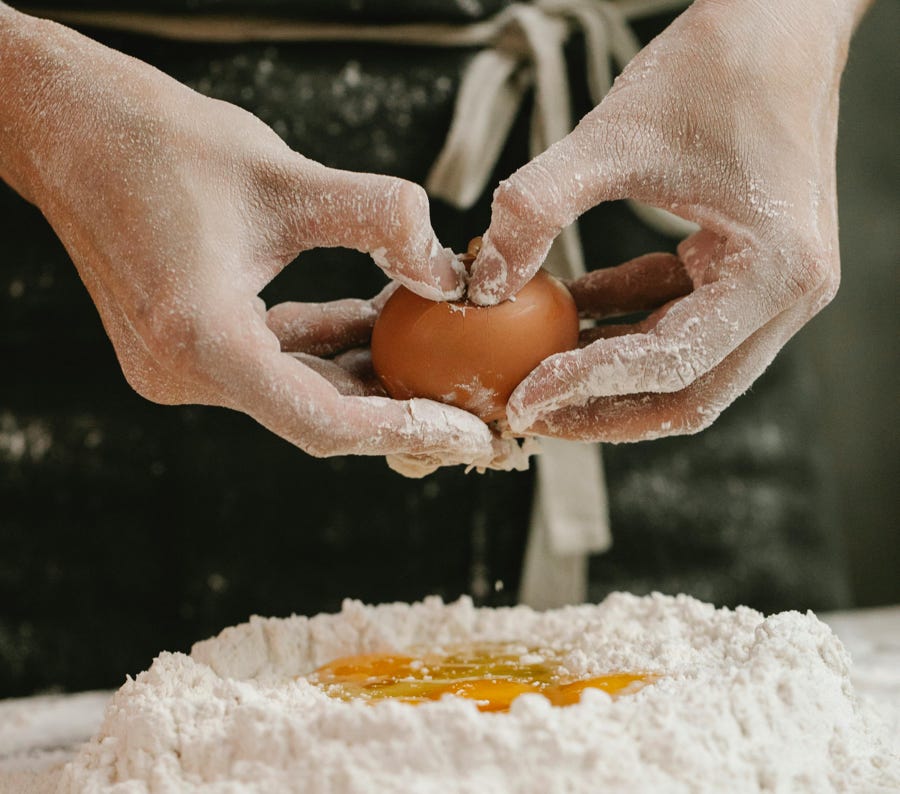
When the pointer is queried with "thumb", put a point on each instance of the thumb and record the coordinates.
(538, 201)
(383, 216)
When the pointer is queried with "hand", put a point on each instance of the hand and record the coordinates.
(729, 120)
(178, 209)
(332, 339)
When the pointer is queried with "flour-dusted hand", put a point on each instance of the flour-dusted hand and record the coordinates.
(728, 119)
(178, 209)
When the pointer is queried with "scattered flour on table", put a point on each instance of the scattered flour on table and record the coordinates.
(746, 704)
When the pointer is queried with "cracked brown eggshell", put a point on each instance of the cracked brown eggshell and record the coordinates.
(467, 355)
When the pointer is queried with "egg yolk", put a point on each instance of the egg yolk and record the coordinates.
(493, 675)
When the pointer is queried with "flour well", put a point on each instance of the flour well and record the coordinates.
(745, 704)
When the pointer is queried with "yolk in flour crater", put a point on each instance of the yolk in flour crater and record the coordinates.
(491, 674)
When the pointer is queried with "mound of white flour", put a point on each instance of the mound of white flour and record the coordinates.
(746, 704)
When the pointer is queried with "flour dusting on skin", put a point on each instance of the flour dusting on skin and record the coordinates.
(745, 704)
(506, 451)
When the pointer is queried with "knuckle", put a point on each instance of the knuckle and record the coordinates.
(827, 292)
(831, 284)
(404, 221)
(528, 200)
(677, 374)
(813, 270)
(683, 418)
(318, 448)
(673, 370)
(698, 420)
(298, 198)
(276, 192)
(331, 432)
(411, 200)
(407, 207)
(516, 202)
(272, 176)
(511, 198)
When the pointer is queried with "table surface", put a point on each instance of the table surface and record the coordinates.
(38, 735)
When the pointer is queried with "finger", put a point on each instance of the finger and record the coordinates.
(412, 466)
(640, 284)
(382, 297)
(293, 401)
(345, 381)
(384, 216)
(642, 417)
(238, 355)
(322, 329)
(507, 455)
(358, 363)
(611, 330)
(654, 361)
(695, 335)
(637, 417)
(700, 254)
(590, 165)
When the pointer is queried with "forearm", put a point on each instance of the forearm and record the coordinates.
(30, 64)
(65, 104)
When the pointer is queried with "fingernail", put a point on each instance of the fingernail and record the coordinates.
(521, 419)
(487, 284)
(454, 426)
(448, 272)
(418, 283)
(521, 412)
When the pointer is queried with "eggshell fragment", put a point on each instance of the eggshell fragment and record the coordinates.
(467, 355)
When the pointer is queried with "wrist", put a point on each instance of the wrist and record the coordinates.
(791, 37)
(839, 16)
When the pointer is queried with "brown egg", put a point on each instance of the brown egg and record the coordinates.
(467, 355)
